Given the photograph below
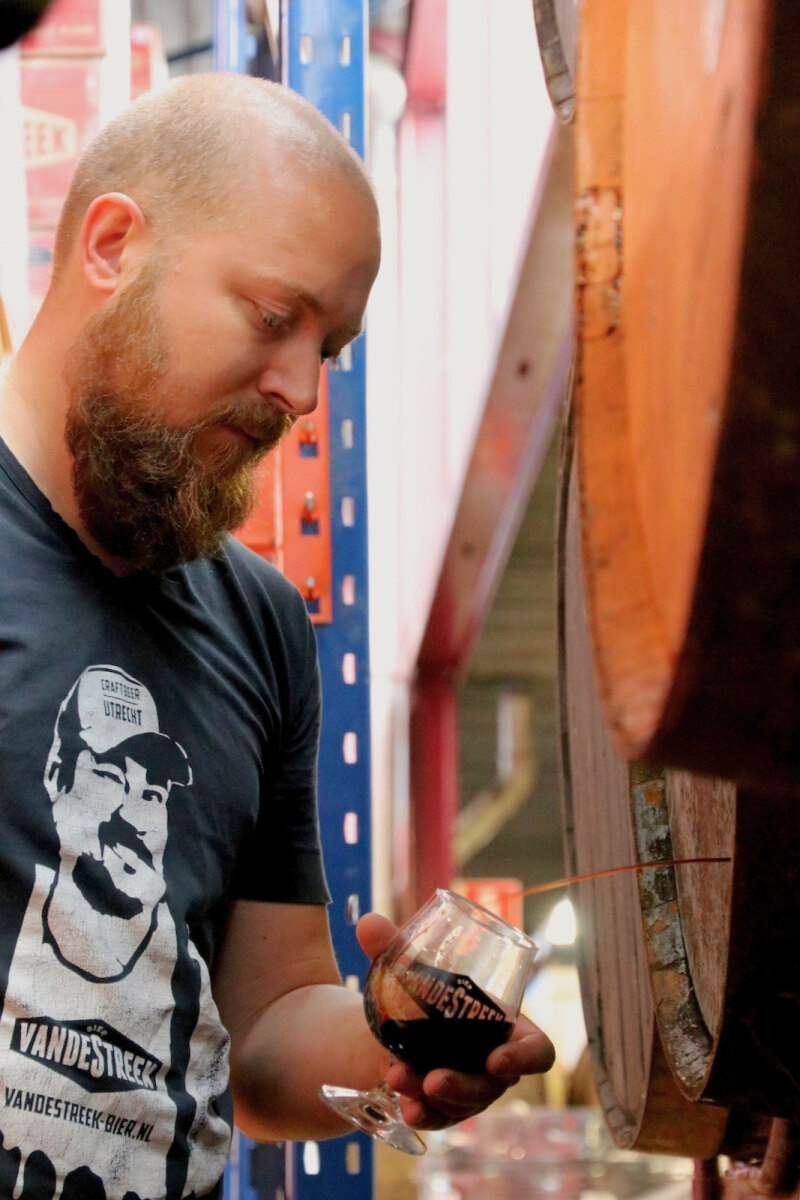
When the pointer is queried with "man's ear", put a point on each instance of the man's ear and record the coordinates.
(113, 226)
(52, 770)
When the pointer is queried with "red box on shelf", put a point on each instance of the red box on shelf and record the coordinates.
(40, 265)
(61, 111)
(148, 65)
(501, 896)
(70, 27)
(279, 530)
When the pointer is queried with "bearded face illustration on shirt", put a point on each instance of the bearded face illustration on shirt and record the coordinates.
(112, 1053)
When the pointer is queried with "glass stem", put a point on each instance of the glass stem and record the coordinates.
(379, 1102)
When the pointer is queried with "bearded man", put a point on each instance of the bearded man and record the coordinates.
(219, 241)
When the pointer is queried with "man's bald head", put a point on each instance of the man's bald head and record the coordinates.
(184, 154)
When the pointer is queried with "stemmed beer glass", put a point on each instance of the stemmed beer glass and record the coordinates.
(445, 991)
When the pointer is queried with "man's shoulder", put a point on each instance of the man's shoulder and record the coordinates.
(267, 603)
(259, 571)
(264, 585)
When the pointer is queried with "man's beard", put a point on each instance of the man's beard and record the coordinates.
(95, 884)
(143, 493)
(94, 881)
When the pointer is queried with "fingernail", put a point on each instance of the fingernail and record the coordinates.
(504, 1065)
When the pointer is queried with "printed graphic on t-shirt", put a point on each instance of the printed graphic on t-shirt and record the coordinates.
(112, 1054)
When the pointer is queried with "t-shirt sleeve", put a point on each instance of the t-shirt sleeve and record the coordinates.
(283, 861)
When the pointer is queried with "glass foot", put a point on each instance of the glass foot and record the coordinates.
(376, 1113)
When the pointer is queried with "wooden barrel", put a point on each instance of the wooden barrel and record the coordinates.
(689, 974)
(722, 940)
(556, 33)
(688, 289)
(643, 1105)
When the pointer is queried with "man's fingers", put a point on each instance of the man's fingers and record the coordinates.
(401, 1078)
(448, 1097)
(453, 1091)
(422, 1116)
(374, 933)
(529, 1051)
(444, 1097)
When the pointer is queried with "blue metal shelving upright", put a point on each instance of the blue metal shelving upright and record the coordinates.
(323, 44)
(323, 52)
(230, 35)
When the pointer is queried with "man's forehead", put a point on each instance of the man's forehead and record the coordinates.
(162, 761)
(118, 756)
(317, 193)
(131, 768)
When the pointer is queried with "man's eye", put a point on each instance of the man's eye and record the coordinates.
(151, 794)
(108, 773)
(271, 320)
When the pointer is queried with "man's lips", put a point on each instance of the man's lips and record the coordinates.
(131, 860)
(246, 432)
(223, 435)
(118, 835)
(226, 443)
(251, 432)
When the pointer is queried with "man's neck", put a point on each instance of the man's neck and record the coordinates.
(33, 411)
(32, 415)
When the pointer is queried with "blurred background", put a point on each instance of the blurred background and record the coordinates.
(434, 570)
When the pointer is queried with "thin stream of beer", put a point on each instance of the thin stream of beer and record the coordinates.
(670, 862)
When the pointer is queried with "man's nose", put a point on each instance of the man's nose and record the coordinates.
(291, 378)
(132, 809)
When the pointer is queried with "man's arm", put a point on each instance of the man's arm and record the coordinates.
(293, 1027)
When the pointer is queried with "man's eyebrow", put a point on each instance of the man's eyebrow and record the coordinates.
(289, 286)
(307, 299)
(351, 332)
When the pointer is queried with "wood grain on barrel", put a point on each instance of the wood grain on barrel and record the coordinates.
(643, 1105)
(687, 214)
(689, 1039)
(702, 817)
(724, 953)
(556, 33)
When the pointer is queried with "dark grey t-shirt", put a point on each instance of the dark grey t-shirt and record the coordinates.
(158, 745)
